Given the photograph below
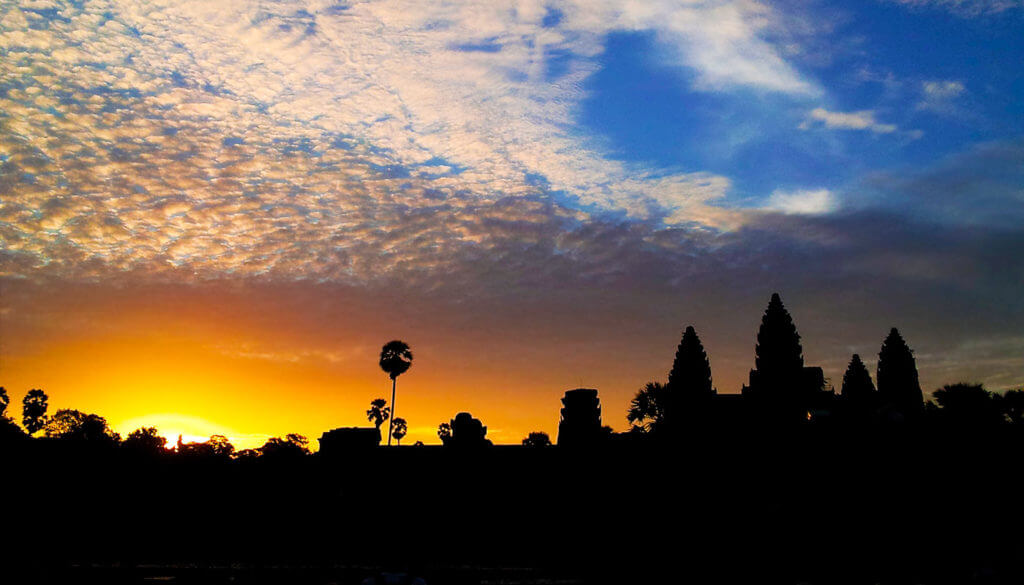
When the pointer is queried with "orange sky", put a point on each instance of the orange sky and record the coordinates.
(265, 361)
(258, 358)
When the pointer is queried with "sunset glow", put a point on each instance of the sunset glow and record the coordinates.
(213, 214)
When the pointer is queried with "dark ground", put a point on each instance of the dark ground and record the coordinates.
(808, 505)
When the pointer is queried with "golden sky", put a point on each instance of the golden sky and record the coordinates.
(213, 215)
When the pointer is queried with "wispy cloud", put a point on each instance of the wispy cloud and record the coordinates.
(965, 8)
(860, 120)
(940, 96)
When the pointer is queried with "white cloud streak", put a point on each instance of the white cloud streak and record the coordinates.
(803, 202)
(860, 120)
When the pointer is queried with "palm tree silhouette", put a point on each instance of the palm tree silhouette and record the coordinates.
(378, 412)
(395, 359)
(401, 428)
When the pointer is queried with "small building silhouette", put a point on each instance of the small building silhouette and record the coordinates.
(581, 418)
(467, 431)
(348, 439)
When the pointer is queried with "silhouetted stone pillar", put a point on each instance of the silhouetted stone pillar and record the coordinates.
(581, 418)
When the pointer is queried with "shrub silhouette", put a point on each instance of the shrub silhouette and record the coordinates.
(444, 432)
(4, 401)
(537, 439)
(33, 411)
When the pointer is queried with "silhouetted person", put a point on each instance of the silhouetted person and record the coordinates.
(581, 418)
(33, 411)
(898, 386)
(467, 432)
(395, 359)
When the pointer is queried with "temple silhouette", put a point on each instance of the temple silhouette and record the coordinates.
(803, 484)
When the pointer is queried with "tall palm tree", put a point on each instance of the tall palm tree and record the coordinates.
(395, 359)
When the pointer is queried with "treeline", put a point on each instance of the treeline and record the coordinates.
(781, 390)
(71, 426)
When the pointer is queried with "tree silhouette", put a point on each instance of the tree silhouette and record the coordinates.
(898, 385)
(292, 446)
(689, 391)
(33, 411)
(4, 401)
(221, 446)
(216, 446)
(444, 432)
(966, 404)
(145, 440)
(858, 390)
(537, 439)
(401, 428)
(378, 412)
(647, 409)
(395, 359)
(71, 424)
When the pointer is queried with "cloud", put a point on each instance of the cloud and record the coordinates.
(860, 120)
(803, 202)
(982, 186)
(309, 139)
(940, 96)
(965, 8)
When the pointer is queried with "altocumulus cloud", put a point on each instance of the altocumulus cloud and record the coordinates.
(320, 139)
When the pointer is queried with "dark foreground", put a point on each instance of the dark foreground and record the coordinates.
(810, 505)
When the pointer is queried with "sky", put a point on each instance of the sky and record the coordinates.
(214, 214)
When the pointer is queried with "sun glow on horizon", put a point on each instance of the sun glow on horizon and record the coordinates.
(191, 429)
